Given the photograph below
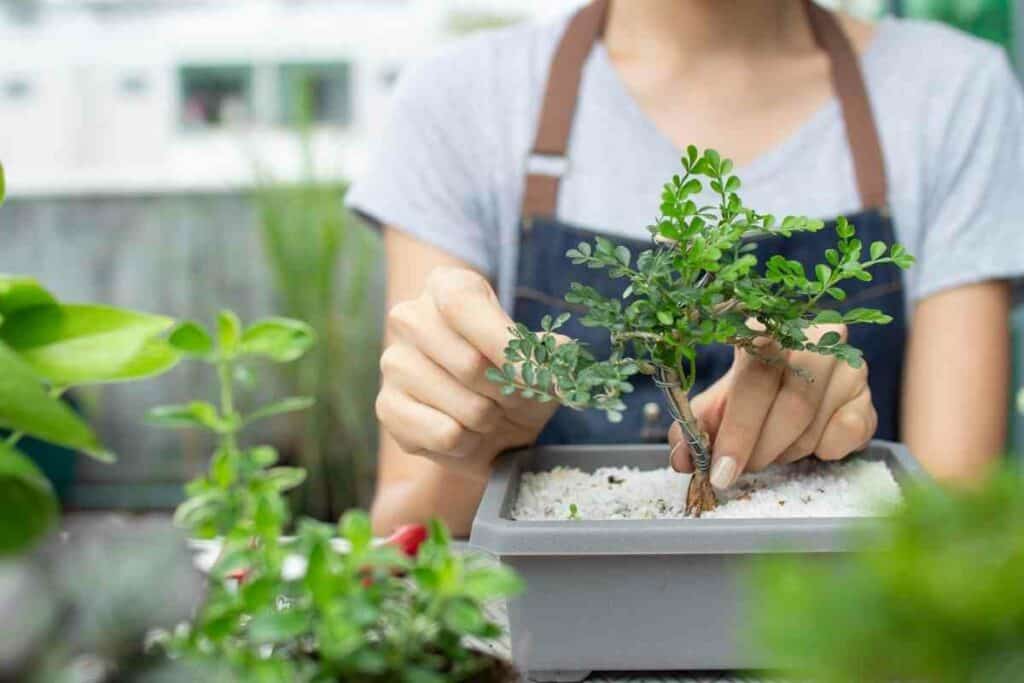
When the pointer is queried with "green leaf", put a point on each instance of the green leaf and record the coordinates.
(877, 249)
(194, 414)
(18, 293)
(198, 509)
(263, 456)
(828, 316)
(192, 338)
(28, 506)
(829, 339)
(666, 317)
(488, 583)
(285, 405)
(223, 468)
(464, 616)
(229, 331)
(280, 339)
(71, 345)
(279, 627)
(285, 478)
(354, 526)
(622, 255)
(822, 272)
(26, 407)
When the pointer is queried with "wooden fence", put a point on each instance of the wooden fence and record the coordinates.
(182, 255)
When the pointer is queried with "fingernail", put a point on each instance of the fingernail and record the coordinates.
(723, 471)
(674, 454)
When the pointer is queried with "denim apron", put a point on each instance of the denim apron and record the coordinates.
(544, 274)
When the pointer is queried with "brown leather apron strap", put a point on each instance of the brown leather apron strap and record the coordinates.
(548, 161)
(848, 82)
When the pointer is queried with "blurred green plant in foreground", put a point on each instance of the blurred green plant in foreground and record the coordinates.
(324, 263)
(46, 348)
(943, 601)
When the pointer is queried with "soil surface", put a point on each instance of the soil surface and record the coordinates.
(809, 488)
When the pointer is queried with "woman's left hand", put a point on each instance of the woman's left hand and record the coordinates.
(759, 413)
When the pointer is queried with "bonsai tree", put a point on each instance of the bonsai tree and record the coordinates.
(700, 283)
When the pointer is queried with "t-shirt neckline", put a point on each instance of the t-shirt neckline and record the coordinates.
(764, 164)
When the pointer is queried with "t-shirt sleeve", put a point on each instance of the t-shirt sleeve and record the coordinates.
(974, 208)
(426, 174)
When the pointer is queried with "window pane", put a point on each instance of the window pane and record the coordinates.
(319, 93)
(215, 95)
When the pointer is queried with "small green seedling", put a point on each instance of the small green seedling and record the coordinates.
(701, 283)
(574, 511)
(240, 480)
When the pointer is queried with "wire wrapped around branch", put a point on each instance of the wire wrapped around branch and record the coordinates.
(669, 384)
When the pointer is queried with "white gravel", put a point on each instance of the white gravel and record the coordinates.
(853, 488)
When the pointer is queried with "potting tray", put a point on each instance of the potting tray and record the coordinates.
(663, 594)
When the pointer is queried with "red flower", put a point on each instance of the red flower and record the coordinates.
(408, 538)
(239, 575)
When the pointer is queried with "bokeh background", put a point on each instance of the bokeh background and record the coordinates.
(179, 156)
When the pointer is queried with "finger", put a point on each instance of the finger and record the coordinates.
(755, 383)
(679, 450)
(421, 430)
(419, 324)
(849, 429)
(794, 408)
(425, 381)
(469, 306)
(708, 407)
(844, 385)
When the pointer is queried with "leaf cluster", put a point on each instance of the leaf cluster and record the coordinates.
(942, 601)
(328, 604)
(314, 611)
(46, 348)
(700, 283)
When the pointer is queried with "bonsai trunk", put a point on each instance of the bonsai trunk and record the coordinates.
(700, 495)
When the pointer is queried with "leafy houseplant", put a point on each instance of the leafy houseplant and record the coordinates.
(314, 607)
(700, 283)
(941, 601)
(46, 348)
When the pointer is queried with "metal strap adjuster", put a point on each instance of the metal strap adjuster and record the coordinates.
(555, 165)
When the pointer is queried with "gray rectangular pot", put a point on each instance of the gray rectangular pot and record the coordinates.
(637, 594)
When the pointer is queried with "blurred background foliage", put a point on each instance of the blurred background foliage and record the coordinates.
(159, 207)
(326, 267)
(941, 601)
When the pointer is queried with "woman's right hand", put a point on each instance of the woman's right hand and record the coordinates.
(435, 399)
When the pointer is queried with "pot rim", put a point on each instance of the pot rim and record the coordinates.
(494, 530)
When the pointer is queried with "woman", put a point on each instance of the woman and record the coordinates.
(513, 145)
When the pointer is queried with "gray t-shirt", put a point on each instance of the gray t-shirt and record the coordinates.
(449, 166)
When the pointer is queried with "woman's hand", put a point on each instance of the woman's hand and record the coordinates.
(759, 413)
(435, 400)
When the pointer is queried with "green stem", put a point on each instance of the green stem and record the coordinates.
(227, 402)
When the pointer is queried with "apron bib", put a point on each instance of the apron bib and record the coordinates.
(544, 274)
